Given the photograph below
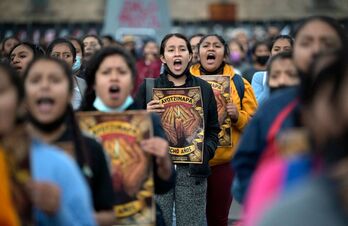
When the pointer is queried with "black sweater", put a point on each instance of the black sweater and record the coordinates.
(211, 124)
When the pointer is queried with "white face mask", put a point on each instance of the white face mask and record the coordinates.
(77, 64)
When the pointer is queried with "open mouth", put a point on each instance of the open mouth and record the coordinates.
(45, 104)
(18, 68)
(177, 64)
(211, 58)
(114, 91)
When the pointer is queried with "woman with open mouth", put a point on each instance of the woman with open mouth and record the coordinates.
(191, 180)
(22, 54)
(213, 52)
(56, 189)
(110, 77)
(48, 86)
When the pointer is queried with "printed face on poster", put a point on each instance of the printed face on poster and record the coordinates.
(183, 122)
(131, 167)
(221, 88)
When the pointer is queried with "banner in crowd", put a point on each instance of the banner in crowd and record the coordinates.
(183, 122)
(131, 168)
(221, 87)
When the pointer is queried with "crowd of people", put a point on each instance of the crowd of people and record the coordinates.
(287, 110)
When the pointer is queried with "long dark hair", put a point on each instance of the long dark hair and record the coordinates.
(81, 154)
(328, 20)
(62, 41)
(80, 44)
(279, 37)
(36, 49)
(178, 35)
(15, 80)
(220, 38)
(93, 66)
(93, 36)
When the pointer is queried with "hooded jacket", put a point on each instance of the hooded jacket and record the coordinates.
(249, 105)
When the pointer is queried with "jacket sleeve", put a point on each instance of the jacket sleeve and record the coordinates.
(247, 155)
(212, 125)
(260, 89)
(140, 97)
(249, 107)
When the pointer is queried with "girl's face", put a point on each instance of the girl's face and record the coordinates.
(47, 91)
(211, 53)
(176, 55)
(77, 48)
(8, 103)
(20, 57)
(63, 52)
(281, 45)
(235, 48)
(91, 45)
(151, 49)
(9, 44)
(262, 50)
(113, 81)
(283, 73)
(315, 37)
(194, 45)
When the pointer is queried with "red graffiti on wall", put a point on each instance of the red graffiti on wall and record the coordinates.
(139, 13)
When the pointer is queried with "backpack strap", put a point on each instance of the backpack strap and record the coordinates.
(149, 85)
(278, 122)
(239, 84)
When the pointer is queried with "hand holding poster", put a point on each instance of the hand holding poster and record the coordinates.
(221, 87)
(183, 122)
(131, 167)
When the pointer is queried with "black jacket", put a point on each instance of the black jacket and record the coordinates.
(211, 123)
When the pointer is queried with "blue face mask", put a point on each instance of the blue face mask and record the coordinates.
(100, 106)
(77, 64)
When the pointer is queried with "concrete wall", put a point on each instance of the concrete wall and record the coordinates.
(256, 9)
(57, 11)
(183, 10)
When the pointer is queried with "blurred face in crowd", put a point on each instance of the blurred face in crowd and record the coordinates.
(63, 52)
(281, 45)
(242, 38)
(47, 91)
(194, 45)
(77, 47)
(151, 50)
(283, 73)
(176, 55)
(106, 42)
(262, 54)
(20, 57)
(113, 81)
(315, 37)
(272, 31)
(211, 53)
(9, 44)
(8, 103)
(236, 53)
(91, 45)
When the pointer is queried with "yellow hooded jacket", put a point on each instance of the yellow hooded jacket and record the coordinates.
(8, 215)
(225, 154)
